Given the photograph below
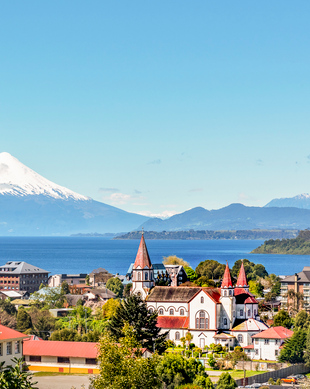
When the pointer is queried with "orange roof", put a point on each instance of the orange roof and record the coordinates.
(249, 346)
(8, 333)
(60, 349)
(142, 258)
(172, 321)
(213, 293)
(274, 333)
(242, 281)
(227, 278)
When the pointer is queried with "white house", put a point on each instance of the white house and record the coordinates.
(267, 343)
(211, 315)
(11, 344)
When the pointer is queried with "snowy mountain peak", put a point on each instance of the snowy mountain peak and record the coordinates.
(17, 179)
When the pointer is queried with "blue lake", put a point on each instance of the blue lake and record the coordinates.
(82, 255)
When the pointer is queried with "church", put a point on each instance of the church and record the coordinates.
(227, 315)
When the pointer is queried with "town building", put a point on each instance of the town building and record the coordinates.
(71, 279)
(295, 291)
(267, 344)
(99, 277)
(11, 344)
(226, 315)
(15, 275)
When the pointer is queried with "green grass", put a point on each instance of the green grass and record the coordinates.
(51, 374)
(236, 374)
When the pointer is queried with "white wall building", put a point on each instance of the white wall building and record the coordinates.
(11, 344)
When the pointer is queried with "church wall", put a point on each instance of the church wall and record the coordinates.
(203, 338)
(167, 306)
(208, 306)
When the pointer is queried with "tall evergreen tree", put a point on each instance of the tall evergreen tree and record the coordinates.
(226, 382)
(134, 311)
(293, 351)
(23, 320)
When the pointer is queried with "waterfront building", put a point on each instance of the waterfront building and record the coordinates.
(226, 315)
(295, 291)
(17, 275)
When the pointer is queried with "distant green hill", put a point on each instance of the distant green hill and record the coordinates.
(297, 246)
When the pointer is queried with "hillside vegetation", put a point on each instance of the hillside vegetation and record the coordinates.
(297, 246)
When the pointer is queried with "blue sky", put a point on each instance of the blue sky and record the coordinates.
(158, 107)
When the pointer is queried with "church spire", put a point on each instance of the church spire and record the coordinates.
(242, 281)
(227, 278)
(142, 258)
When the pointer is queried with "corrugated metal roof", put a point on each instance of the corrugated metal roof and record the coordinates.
(274, 333)
(8, 333)
(172, 322)
(60, 349)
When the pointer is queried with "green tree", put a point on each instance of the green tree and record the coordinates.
(302, 320)
(282, 318)
(8, 307)
(64, 288)
(87, 279)
(307, 349)
(204, 281)
(252, 271)
(134, 311)
(122, 365)
(174, 370)
(14, 377)
(226, 382)
(126, 291)
(210, 269)
(47, 297)
(256, 288)
(293, 350)
(23, 320)
(109, 308)
(66, 334)
(116, 286)
(191, 274)
(42, 322)
(174, 260)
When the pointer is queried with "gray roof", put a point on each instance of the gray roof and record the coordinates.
(303, 276)
(104, 293)
(168, 293)
(100, 270)
(19, 267)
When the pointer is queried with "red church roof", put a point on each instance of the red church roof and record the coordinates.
(227, 278)
(142, 258)
(172, 321)
(242, 281)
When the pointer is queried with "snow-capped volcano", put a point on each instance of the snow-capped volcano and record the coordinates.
(299, 201)
(18, 180)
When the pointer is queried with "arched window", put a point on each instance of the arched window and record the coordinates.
(181, 312)
(249, 312)
(225, 321)
(151, 310)
(177, 335)
(230, 292)
(201, 300)
(241, 312)
(171, 311)
(161, 311)
(146, 276)
(202, 321)
(139, 276)
(240, 338)
(225, 293)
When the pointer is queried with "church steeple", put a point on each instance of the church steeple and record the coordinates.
(242, 281)
(226, 283)
(142, 271)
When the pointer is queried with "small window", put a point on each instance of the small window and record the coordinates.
(201, 300)
(240, 338)
(171, 312)
(266, 341)
(17, 347)
(256, 351)
(146, 276)
(182, 312)
(139, 276)
(177, 335)
(161, 311)
(225, 321)
(256, 341)
(241, 312)
(151, 310)
(63, 360)
(230, 292)
(249, 312)
(277, 341)
(9, 348)
(225, 293)
(276, 352)
(35, 358)
(90, 361)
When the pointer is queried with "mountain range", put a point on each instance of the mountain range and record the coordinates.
(31, 205)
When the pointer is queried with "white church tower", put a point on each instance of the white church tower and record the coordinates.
(142, 272)
(228, 301)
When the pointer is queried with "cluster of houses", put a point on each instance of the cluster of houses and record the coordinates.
(227, 315)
